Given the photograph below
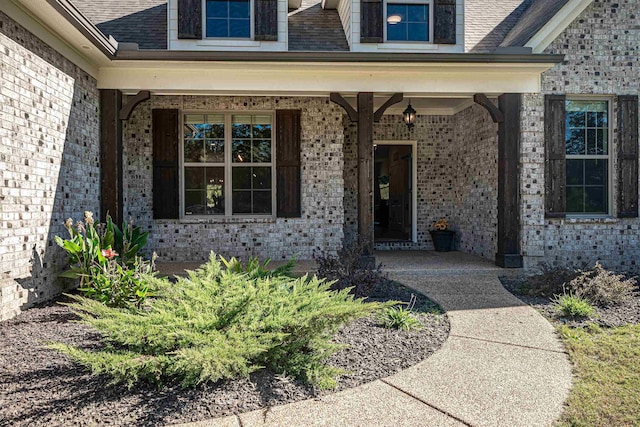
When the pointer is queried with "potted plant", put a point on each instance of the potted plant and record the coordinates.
(442, 237)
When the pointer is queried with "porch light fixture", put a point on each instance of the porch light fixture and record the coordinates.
(409, 116)
(394, 19)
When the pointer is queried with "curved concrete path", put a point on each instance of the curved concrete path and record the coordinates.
(501, 366)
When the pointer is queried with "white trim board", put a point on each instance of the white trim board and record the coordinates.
(556, 25)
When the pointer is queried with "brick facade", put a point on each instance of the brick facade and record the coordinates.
(602, 58)
(319, 228)
(49, 162)
(456, 174)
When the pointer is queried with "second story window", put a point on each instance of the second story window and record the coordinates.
(408, 22)
(228, 19)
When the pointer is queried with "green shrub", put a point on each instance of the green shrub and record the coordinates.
(347, 271)
(602, 287)
(254, 268)
(570, 305)
(220, 324)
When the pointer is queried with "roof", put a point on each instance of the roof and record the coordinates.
(488, 22)
(129, 21)
(532, 21)
(312, 28)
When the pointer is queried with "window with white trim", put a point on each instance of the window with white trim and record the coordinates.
(587, 157)
(408, 21)
(228, 164)
(228, 19)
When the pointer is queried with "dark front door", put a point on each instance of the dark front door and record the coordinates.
(392, 193)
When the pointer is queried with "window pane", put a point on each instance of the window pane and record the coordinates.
(397, 31)
(242, 202)
(193, 150)
(215, 191)
(576, 141)
(194, 202)
(241, 127)
(217, 8)
(417, 32)
(595, 172)
(262, 127)
(575, 199)
(595, 200)
(575, 172)
(417, 13)
(239, 9)
(602, 141)
(217, 28)
(214, 151)
(239, 28)
(261, 151)
(241, 151)
(194, 178)
(262, 202)
(592, 119)
(215, 126)
(575, 119)
(261, 178)
(241, 178)
(591, 141)
(603, 119)
(399, 10)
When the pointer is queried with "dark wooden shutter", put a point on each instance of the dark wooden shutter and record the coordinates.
(444, 26)
(555, 156)
(266, 20)
(288, 163)
(371, 21)
(165, 124)
(190, 19)
(628, 156)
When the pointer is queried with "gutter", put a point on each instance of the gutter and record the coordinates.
(108, 46)
(336, 57)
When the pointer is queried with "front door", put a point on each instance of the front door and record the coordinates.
(393, 192)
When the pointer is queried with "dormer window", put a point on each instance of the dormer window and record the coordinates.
(408, 22)
(228, 19)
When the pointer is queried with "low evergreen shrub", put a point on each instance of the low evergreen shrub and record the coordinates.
(603, 287)
(221, 323)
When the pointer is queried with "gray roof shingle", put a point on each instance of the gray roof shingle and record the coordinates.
(129, 21)
(532, 21)
(312, 28)
(487, 22)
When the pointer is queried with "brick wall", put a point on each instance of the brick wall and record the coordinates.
(457, 177)
(602, 58)
(320, 227)
(49, 162)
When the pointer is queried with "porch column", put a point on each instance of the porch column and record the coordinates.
(509, 255)
(365, 174)
(111, 170)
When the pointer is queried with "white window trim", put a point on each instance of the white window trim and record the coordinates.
(228, 166)
(244, 39)
(405, 42)
(610, 164)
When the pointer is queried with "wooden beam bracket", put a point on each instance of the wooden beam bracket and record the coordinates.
(397, 97)
(494, 111)
(338, 99)
(127, 109)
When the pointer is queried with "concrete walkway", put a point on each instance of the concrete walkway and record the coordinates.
(502, 364)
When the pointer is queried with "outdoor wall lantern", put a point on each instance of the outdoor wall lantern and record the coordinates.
(409, 116)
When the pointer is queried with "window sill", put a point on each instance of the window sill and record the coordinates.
(588, 220)
(220, 220)
(229, 42)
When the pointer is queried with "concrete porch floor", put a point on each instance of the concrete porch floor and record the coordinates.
(436, 263)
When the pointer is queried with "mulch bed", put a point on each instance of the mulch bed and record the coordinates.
(627, 313)
(39, 386)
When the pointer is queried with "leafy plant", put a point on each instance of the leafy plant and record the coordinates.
(120, 286)
(603, 287)
(399, 317)
(570, 305)
(347, 271)
(254, 268)
(219, 323)
(127, 241)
